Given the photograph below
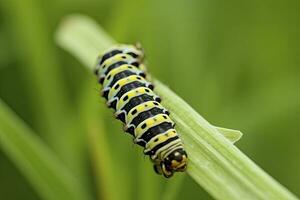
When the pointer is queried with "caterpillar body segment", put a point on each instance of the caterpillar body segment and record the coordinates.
(126, 84)
(135, 51)
(135, 93)
(143, 108)
(118, 55)
(135, 101)
(160, 140)
(149, 123)
(122, 73)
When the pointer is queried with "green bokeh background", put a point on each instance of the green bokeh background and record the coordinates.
(236, 62)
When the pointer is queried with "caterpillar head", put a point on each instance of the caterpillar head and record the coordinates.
(176, 161)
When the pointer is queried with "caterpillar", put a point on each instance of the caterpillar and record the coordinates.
(127, 90)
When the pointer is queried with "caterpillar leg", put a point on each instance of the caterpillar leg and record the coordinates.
(166, 172)
(161, 169)
(157, 169)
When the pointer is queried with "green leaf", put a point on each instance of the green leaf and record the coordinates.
(230, 134)
(215, 163)
(47, 175)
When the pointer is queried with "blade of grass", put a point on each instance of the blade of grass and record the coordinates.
(102, 165)
(40, 70)
(51, 180)
(43, 81)
(215, 163)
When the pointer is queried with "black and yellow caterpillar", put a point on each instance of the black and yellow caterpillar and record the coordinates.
(122, 74)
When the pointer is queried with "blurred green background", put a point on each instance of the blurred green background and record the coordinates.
(243, 58)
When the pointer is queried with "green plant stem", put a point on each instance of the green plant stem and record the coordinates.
(215, 163)
(45, 172)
